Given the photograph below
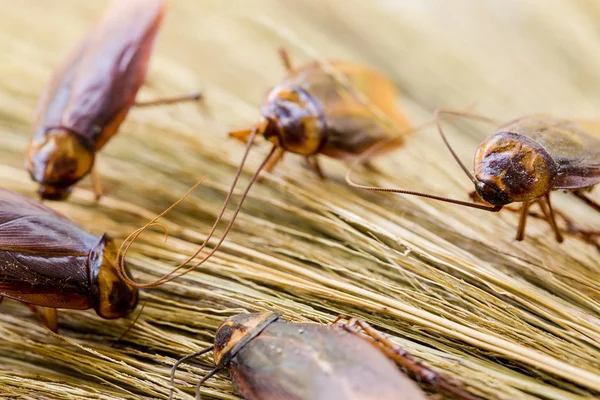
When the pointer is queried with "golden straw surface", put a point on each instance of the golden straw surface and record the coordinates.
(510, 320)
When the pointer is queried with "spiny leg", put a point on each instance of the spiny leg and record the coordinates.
(313, 163)
(546, 207)
(405, 360)
(523, 220)
(285, 59)
(587, 235)
(48, 317)
(96, 183)
(170, 100)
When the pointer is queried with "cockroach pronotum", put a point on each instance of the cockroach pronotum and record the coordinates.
(338, 109)
(46, 260)
(90, 95)
(272, 359)
(523, 161)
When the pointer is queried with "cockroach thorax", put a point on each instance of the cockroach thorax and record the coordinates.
(236, 331)
(295, 120)
(112, 296)
(510, 167)
(57, 160)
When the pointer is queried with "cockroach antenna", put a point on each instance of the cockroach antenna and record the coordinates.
(184, 359)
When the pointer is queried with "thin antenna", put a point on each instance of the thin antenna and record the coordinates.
(373, 149)
(182, 360)
(457, 113)
(171, 275)
(437, 114)
(209, 375)
(128, 242)
(131, 325)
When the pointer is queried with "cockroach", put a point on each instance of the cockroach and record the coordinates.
(523, 161)
(90, 95)
(403, 359)
(46, 260)
(338, 109)
(272, 359)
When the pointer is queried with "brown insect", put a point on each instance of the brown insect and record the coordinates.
(272, 359)
(46, 260)
(523, 161)
(340, 110)
(90, 95)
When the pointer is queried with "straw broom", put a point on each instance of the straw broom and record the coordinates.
(510, 320)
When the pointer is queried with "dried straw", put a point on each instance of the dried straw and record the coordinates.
(511, 320)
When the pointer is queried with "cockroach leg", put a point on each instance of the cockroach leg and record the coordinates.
(586, 199)
(313, 163)
(96, 183)
(523, 220)
(49, 316)
(285, 59)
(403, 359)
(546, 207)
(1, 298)
(275, 158)
(170, 100)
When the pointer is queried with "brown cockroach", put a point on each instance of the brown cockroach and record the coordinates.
(523, 161)
(338, 109)
(272, 359)
(46, 260)
(403, 359)
(90, 95)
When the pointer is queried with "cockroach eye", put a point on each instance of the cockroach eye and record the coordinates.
(491, 194)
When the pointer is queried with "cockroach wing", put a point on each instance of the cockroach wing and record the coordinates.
(43, 255)
(290, 361)
(49, 281)
(31, 227)
(574, 146)
(96, 86)
(359, 113)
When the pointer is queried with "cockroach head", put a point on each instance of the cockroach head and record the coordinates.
(113, 297)
(235, 332)
(510, 167)
(57, 160)
(294, 120)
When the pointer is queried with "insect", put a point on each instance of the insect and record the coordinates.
(315, 112)
(46, 260)
(523, 161)
(272, 359)
(90, 95)
(312, 112)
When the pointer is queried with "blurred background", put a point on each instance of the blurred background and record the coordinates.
(507, 58)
